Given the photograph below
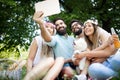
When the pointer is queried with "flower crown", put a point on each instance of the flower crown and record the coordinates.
(91, 21)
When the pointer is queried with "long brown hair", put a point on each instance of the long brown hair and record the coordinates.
(92, 44)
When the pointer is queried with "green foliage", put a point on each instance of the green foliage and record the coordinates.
(14, 53)
(24, 71)
(7, 54)
(102, 10)
(116, 78)
(17, 26)
(106, 11)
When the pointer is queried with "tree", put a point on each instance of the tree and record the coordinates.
(105, 11)
(17, 26)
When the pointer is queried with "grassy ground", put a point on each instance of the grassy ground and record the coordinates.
(23, 72)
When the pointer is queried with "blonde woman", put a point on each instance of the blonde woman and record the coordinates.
(101, 53)
(41, 63)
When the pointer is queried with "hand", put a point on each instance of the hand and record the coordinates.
(67, 60)
(110, 40)
(98, 60)
(89, 54)
(76, 62)
(115, 37)
(80, 55)
(38, 17)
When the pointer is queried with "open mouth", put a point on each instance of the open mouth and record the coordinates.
(61, 28)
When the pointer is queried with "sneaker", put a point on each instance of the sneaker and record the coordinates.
(75, 77)
(80, 77)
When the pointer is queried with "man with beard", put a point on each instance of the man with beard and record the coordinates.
(79, 46)
(61, 43)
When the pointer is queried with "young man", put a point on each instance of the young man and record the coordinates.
(79, 46)
(61, 43)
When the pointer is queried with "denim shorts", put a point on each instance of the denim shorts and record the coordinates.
(69, 64)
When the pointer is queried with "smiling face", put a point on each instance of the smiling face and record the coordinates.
(60, 27)
(50, 27)
(76, 28)
(89, 29)
(91, 34)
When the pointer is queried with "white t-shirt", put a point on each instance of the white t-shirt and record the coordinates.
(79, 46)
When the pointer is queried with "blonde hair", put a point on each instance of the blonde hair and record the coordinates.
(46, 50)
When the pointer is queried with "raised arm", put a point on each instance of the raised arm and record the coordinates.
(38, 18)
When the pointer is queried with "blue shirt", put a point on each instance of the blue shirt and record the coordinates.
(62, 46)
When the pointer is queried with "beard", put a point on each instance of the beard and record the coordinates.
(61, 32)
(78, 32)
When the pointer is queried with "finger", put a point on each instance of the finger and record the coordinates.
(38, 14)
(41, 13)
(75, 56)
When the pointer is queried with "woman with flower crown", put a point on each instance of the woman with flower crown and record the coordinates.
(102, 52)
(41, 63)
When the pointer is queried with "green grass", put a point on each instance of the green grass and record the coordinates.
(12, 55)
(116, 78)
(23, 72)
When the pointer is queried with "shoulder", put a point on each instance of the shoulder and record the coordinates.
(56, 37)
(38, 39)
(103, 33)
(71, 37)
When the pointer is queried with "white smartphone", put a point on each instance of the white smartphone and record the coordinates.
(48, 7)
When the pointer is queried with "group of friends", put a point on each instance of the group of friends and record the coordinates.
(55, 54)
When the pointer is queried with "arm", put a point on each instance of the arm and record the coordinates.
(85, 70)
(68, 60)
(105, 39)
(106, 44)
(55, 69)
(102, 53)
(99, 53)
(110, 49)
(98, 60)
(31, 56)
(45, 34)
